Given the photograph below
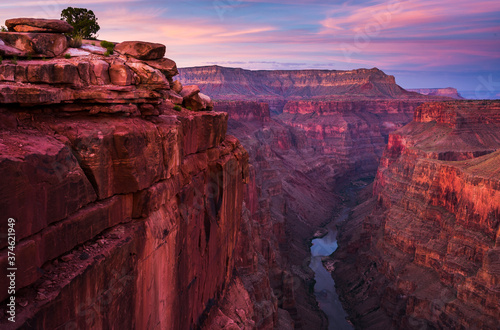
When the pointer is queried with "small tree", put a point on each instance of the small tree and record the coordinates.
(83, 20)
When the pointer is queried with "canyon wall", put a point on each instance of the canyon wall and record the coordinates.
(425, 247)
(130, 210)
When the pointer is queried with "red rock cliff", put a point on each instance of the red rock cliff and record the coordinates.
(129, 211)
(426, 246)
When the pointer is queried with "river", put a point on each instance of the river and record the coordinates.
(324, 289)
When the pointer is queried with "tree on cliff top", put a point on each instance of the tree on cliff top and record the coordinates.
(83, 20)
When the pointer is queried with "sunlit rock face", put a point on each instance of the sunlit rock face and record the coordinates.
(425, 246)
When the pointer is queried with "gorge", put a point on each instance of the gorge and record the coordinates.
(146, 201)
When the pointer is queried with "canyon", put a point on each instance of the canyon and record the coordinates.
(329, 143)
(308, 154)
(147, 196)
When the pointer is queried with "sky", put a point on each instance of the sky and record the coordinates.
(423, 43)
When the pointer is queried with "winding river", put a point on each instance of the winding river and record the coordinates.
(324, 289)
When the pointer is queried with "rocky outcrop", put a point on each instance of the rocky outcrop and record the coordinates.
(95, 83)
(123, 201)
(448, 92)
(425, 247)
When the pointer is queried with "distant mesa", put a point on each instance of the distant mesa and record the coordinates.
(449, 92)
(280, 86)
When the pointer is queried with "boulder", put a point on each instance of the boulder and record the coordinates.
(176, 86)
(166, 66)
(141, 50)
(189, 91)
(174, 97)
(38, 25)
(43, 44)
(198, 102)
(207, 101)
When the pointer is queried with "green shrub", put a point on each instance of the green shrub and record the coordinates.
(67, 56)
(93, 44)
(189, 108)
(177, 108)
(107, 53)
(83, 20)
(107, 44)
(1, 59)
(3, 29)
(76, 42)
(14, 60)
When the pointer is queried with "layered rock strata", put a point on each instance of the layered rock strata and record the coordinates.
(425, 247)
(279, 86)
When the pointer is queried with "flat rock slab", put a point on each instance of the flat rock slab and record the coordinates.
(43, 44)
(141, 50)
(38, 25)
(94, 49)
(76, 52)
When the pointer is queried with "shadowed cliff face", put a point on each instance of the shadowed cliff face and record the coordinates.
(426, 245)
(277, 87)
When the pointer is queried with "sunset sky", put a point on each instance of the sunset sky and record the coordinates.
(424, 43)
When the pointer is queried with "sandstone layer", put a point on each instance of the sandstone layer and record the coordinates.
(425, 248)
